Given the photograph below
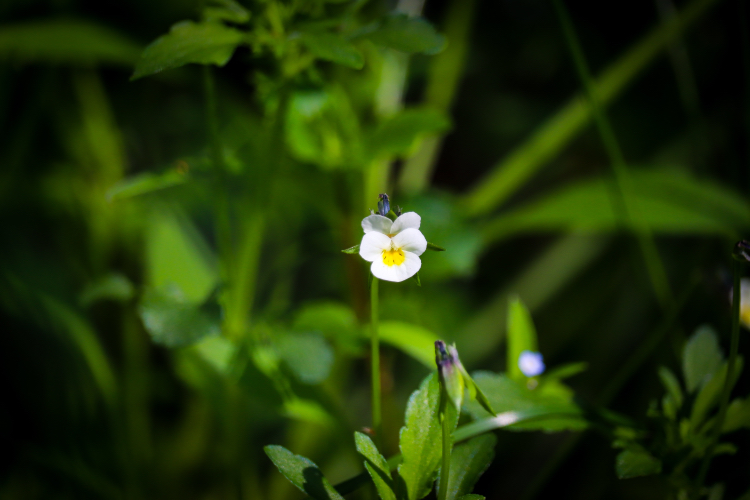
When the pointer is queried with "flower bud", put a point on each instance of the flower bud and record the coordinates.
(384, 205)
(451, 377)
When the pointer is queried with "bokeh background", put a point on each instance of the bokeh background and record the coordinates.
(162, 322)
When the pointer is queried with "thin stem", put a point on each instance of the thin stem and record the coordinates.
(375, 360)
(445, 471)
(729, 379)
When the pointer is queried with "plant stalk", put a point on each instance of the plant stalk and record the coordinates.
(375, 361)
(446, 468)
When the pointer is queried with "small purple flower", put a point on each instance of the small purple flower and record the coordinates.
(531, 363)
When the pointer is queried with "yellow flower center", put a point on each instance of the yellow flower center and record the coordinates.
(393, 257)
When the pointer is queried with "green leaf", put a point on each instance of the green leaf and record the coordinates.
(738, 415)
(302, 473)
(468, 462)
(112, 286)
(417, 342)
(566, 371)
(521, 335)
(145, 183)
(337, 322)
(399, 134)
(672, 385)
(636, 462)
(308, 355)
(420, 439)
(550, 403)
(174, 321)
(188, 42)
(226, 10)
(332, 47)
(217, 351)
(701, 357)
(708, 395)
(66, 41)
(408, 34)
(376, 466)
(307, 411)
(434, 247)
(352, 250)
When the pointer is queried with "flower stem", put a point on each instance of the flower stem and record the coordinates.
(729, 380)
(446, 468)
(375, 360)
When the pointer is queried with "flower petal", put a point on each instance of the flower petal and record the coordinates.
(402, 272)
(411, 240)
(405, 221)
(377, 223)
(372, 246)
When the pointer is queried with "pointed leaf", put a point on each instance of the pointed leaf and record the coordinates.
(521, 336)
(302, 473)
(708, 396)
(376, 466)
(434, 247)
(672, 385)
(188, 42)
(468, 462)
(333, 47)
(701, 357)
(352, 250)
(145, 183)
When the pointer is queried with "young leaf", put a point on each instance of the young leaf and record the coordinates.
(188, 42)
(468, 462)
(420, 439)
(521, 336)
(636, 462)
(701, 357)
(376, 466)
(302, 473)
(352, 250)
(332, 47)
(408, 34)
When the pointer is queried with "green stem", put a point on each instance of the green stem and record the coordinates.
(445, 471)
(729, 379)
(375, 361)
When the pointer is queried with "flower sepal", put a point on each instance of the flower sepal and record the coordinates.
(351, 250)
(434, 247)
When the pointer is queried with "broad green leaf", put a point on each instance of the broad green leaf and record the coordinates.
(407, 34)
(708, 395)
(468, 462)
(550, 403)
(302, 473)
(398, 135)
(636, 462)
(307, 354)
(176, 254)
(307, 411)
(352, 250)
(521, 335)
(188, 42)
(336, 321)
(226, 10)
(666, 201)
(66, 41)
(173, 320)
(217, 351)
(376, 466)
(738, 415)
(332, 47)
(701, 357)
(145, 183)
(112, 286)
(420, 439)
(417, 342)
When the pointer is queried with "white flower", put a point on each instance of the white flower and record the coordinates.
(393, 247)
(531, 363)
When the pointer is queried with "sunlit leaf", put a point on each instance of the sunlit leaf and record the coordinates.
(399, 134)
(302, 473)
(376, 466)
(417, 342)
(307, 354)
(66, 41)
(188, 42)
(408, 34)
(636, 462)
(521, 335)
(701, 357)
(332, 47)
(468, 462)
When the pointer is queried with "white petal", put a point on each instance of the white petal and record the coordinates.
(411, 240)
(372, 246)
(402, 272)
(406, 221)
(377, 223)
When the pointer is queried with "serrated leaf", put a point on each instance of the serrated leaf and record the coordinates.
(636, 462)
(398, 135)
(332, 47)
(144, 183)
(434, 247)
(174, 321)
(408, 34)
(307, 354)
(66, 41)
(421, 438)
(468, 462)
(302, 472)
(188, 42)
(417, 342)
(351, 250)
(376, 466)
(701, 357)
(521, 336)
